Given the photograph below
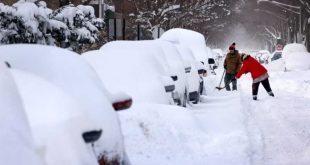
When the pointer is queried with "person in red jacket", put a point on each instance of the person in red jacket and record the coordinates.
(258, 73)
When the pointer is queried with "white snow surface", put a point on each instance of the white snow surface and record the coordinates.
(69, 72)
(191, 39)
(226, 127)
(55, 119)
(15, 134)
(122, 67)
(296, 57)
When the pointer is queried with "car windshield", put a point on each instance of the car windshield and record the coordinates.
(276, 56)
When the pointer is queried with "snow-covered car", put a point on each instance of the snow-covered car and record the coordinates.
(167, 58)
(178, 68)
(59, 126)
(219, 54)
(263, 56)
(17, 145)
(193, 40)
(275, 55)
(296, 57)
(74, 76)
(195, 82)
(134, 68)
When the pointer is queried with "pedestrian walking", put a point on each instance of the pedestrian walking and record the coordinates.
(258, 72)
(232, 65)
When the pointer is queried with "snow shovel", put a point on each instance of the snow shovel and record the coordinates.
(219, 87)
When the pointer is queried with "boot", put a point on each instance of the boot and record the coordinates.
(271, 93)
(254, 97)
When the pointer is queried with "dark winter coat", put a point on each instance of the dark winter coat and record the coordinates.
(253, 66)
(232, 63)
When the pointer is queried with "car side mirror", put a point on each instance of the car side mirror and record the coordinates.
(91, 136)
(174, 78)
(211, 61)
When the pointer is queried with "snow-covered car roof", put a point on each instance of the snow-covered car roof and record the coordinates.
(294, 47)
(16, 143)
(131, 67)
(193, 40)
(68, 71)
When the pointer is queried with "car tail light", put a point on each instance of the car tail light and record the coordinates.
(121, 105)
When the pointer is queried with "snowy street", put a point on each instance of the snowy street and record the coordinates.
(140, 82)
(229, 127)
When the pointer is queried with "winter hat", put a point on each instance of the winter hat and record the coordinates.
(244, 56)
(233, 45)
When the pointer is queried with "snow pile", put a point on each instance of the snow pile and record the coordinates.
(296, 57)
(165, 134)
(294, 47)
(276, 65)
(293, 82)
(205, 133)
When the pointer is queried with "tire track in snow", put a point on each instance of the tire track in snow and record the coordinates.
(280, 127)
(256, 139)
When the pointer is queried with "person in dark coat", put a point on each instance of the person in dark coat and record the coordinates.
(232, 65)
(258, 72)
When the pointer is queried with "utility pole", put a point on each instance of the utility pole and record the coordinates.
(100, 8)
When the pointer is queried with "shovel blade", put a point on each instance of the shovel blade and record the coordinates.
(219, 88)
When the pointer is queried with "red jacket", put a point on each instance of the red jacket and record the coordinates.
(252, 66)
